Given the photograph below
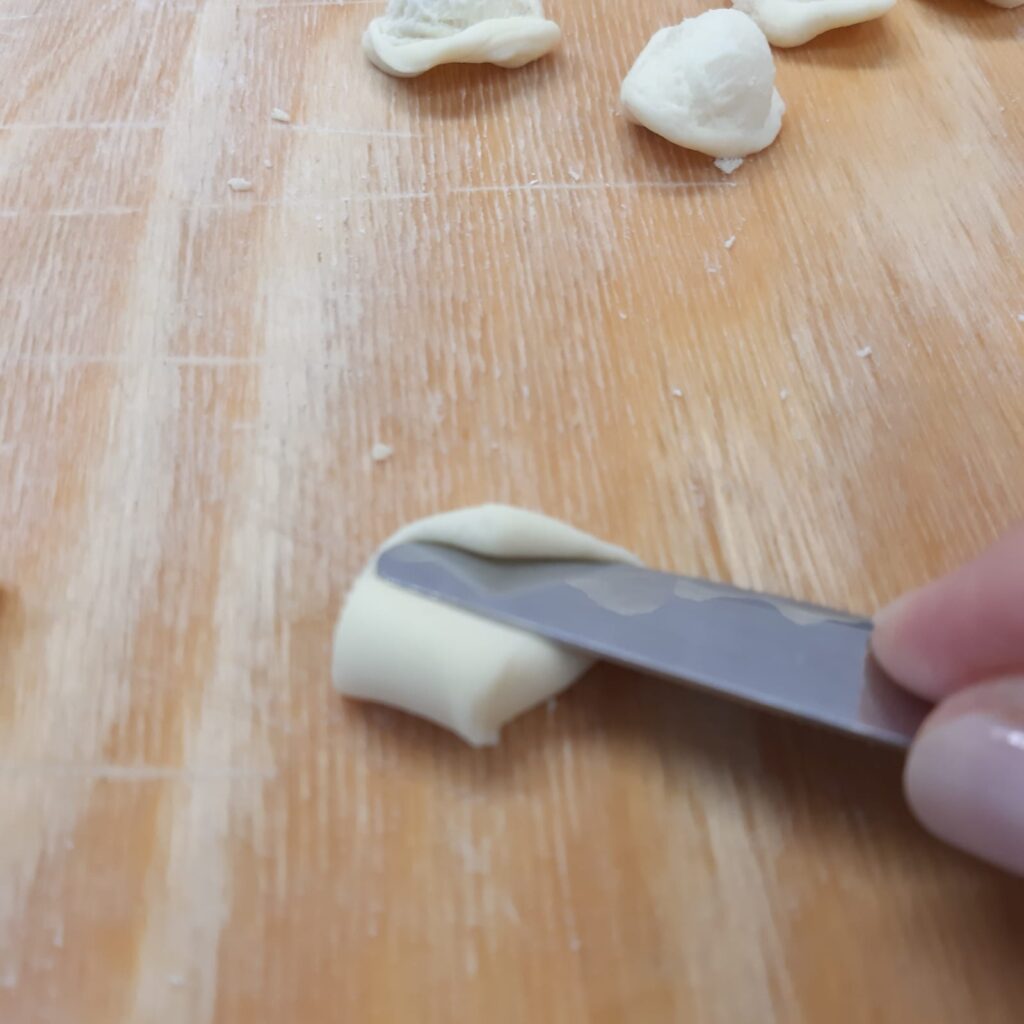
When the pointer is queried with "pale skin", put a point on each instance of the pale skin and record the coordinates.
(959, 642)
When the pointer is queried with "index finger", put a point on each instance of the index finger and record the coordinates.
(964, 628)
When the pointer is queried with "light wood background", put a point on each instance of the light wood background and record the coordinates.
(495, 275)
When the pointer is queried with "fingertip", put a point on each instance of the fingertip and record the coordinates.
(962, 628)
(900, 645)
(964, 778)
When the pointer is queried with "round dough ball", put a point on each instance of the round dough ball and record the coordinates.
(707, 84)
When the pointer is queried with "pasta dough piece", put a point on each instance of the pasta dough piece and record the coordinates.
(707, 84)
(413, 36)
(464, 672)
(792, 22)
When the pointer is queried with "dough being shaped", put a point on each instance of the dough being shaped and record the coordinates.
(413, 36)
(707, 84)
(464, 672)
(792, 22)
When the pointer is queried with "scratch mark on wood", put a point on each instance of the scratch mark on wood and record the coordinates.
(59, 361)
(96, 126)
(323, 129)
(130, 772)
(245, 203)
(590, 186)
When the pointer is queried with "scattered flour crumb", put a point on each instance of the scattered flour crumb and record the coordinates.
(677, 392)
(710, 265)
(176, 980)
(623, 314)
(865, 352)
(784, 394)
(730, 242)
(239, 184)
(575, 945)
(1020, 318)
(281, 116)
(268, 163)
(381, 452)
(576, 173)
(728, 164)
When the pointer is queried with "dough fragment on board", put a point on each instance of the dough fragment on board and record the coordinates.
(728, 164)
(707, 84)
(461, 671)
(413, 36)
(792, 22)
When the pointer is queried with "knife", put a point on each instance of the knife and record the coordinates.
(786, 656)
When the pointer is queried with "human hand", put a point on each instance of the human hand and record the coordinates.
(960, 643)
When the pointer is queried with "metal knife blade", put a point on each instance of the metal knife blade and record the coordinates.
(786, 656)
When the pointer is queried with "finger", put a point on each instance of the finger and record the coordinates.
(966, 627)
(964, 778)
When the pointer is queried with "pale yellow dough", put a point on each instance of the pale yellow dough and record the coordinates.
(413, 36)
(794, 22)
(708, 84)
(466, 673)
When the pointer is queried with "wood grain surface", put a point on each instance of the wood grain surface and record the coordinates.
(532, 302)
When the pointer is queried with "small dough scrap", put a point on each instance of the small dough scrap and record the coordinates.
(707, 84)
(792, 22)
(413, 36)
(461, 671)
(727, 164)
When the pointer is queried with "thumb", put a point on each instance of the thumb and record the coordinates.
(964, 778)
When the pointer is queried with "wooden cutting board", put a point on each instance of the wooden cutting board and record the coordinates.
(806, 377)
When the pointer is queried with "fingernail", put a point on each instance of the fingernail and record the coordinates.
(964, 780)
(897, 653)
(892, 611)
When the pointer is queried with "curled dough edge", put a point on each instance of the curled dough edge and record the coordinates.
(466, 673)
(507, 42)
(794, 22)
